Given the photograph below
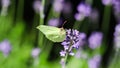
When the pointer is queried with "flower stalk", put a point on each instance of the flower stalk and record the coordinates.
(66, 56)
(74, 39)
(41, 37)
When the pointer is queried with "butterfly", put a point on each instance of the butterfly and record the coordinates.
(53, 33)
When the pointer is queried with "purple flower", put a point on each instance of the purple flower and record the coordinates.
(107, 2)
(67, 7)
(58, 5)
(79, 16)
(35, 52)
(95, 40)
(37, 6)
(84, 10)
(5, 47)
(94, 62)
(5, 3)
(117, 30)
(116, 6)
(62, 53)
(74, 39)
(94, 16)
(115, 2)
(117, 36)
(53, 22)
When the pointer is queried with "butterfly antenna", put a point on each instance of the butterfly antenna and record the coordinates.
(64, 23)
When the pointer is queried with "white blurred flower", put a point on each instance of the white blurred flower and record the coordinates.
(5, 3)
(5, 47)
(35, 52)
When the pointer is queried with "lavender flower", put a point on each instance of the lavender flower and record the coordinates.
(84, 10)
(5, 47)
(94, 62)
(67, 7)
(58, 5)
(5, 3)
(116, 6)
(107, 2)
(37, 6)
(62, 53)
(79, 16)
(95, 40)
(35, 52)
(74, 39)
(117, 37)
(53, 22)
(94, 16)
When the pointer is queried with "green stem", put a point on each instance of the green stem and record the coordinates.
(45, 52)
(115, 61)
(67, 53)
(65, 60)
(41, 37)
(20, 9)
(106, 20)
(89, 1)
(77, 24)
(42, 13)
(4, 11)
(105, 25)
(6, 21)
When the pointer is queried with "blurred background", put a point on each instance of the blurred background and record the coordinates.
(22, 45)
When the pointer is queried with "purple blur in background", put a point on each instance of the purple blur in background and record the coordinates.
(84, 10)
(54, 22)
(95, 40)
(107, 2)
(116, 7)
(67, 8)
(58, 5)
(37, 6)
(94, 62)
(94, 16)
(35, 52)
(117, 37)
(5, 3)
(5, 47)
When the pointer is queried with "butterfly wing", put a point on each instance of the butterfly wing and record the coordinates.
(53, 33)
(57, 36)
